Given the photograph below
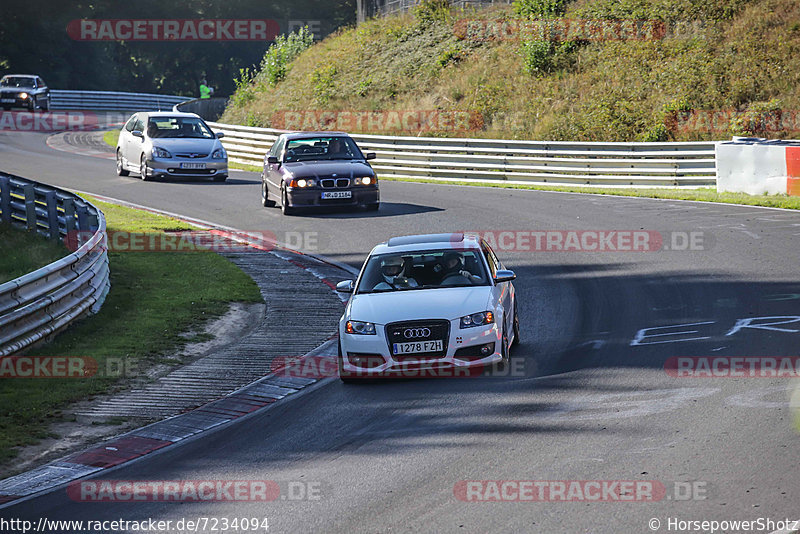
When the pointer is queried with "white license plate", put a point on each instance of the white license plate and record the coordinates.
(193, 165)
(5, 100)
(418, 346)
(337, 194)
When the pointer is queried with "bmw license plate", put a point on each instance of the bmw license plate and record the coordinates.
(418, 346)
(337, 194)
(193, 165)
(7, 100)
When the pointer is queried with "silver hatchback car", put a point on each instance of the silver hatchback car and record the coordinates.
(170, 144)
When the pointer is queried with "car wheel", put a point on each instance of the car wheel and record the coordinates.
(265, 201)
(220, 178)
(143, 170)
(46, 105)
(121, 170)
(516, 325)
(285, 208)
(374, 207)
(504, 353)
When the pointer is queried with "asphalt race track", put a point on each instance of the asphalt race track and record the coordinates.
(590, 399)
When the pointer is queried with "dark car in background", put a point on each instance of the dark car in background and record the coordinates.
(316, 169)
(24, 91)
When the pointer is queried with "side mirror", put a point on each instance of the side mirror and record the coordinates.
(220, 135)
(272, 160)
(371, 155)
(137, 133)
(345, 286)
(504, 276)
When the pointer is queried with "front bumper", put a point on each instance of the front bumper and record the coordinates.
(369, 356)
(161, 168)
(14, 101)
(307, 197)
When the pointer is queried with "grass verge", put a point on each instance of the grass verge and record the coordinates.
(703, 194)
(22, 252)
(111, 137)
(154, 298)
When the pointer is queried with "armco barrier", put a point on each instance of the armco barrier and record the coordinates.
(39, 304)
(112, 101)
(686, 164)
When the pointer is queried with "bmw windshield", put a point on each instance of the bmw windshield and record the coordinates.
(428, 269)
(321, 148)
(16, 81)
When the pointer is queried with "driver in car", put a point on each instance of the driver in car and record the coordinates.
(391, 268)
(453, 266)
(338, 149)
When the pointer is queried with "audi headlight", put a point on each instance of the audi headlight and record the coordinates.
(477, 319)
(219, 154)
(160, 153)
(364, 180)
(360, 327)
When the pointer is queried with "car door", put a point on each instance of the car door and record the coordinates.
(132, 144)
(273, 174)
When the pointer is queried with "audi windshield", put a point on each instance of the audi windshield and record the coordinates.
(428, 269)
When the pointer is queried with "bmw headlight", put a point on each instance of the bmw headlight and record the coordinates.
(23, 96)
(360, 327)
(477, 319)
(160, 153)
(364, 180)
(303, 182)
(219, 154)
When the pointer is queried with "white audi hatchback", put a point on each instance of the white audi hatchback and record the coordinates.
(427, 305)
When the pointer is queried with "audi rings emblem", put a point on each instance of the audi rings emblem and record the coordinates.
(411, 333)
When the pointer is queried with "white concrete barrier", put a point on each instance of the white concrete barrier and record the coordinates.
(757, 167)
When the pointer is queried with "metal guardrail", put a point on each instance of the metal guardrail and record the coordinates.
(112, 100)
(680, 164)
(37, 305)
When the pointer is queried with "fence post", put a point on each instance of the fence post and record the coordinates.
(83, 218)
(69, 215)
(5, 198)
(52, 215)
(30, 206)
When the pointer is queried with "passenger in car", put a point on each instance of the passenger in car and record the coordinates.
(391, 270)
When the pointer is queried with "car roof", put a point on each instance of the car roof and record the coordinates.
(411, 243)
(170, 114)
(306, 135)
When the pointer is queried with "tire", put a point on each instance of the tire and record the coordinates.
(220, 178)
(46, 106)
(265, 200)
(285, 208)
(121, 170)
(143, 170)
(374, 207)
(516, 326)
(504, 352)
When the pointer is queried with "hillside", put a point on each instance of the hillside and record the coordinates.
(736, 57)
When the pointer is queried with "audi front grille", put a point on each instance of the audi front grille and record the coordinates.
(425, 330)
